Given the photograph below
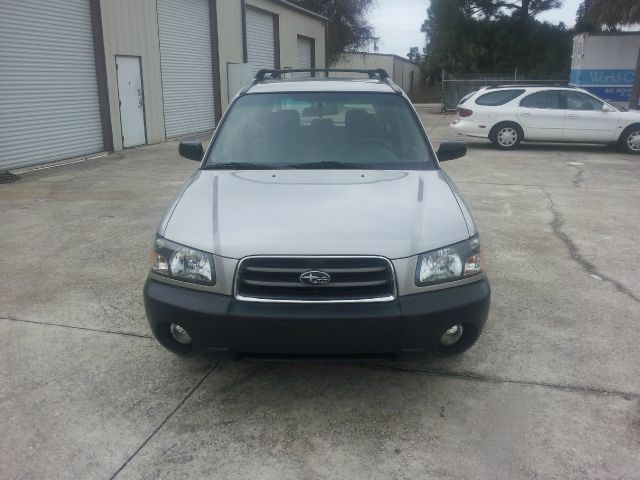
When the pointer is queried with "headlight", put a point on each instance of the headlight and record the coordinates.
(450, 263)
(182, 263)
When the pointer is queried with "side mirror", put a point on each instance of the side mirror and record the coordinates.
(451, 149)
(191, 149)
(607, 108)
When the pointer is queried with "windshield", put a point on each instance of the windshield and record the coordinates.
(320, 130)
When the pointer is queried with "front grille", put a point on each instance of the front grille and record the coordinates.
(277, 279)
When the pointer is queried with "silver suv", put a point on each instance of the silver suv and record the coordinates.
(319, 225)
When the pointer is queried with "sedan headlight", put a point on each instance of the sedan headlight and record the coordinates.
(187, 264)
(447, 264)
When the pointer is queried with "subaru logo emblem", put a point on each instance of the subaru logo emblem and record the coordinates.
(315, 278)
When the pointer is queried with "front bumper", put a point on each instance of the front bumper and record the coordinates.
(223, 327)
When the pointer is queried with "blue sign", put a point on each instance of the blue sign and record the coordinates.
(609, 78)
(611, 94)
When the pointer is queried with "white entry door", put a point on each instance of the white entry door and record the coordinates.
(238, 76)
(131, 101)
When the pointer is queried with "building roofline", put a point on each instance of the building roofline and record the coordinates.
(610, 34)
(300, 9)
(382, 55)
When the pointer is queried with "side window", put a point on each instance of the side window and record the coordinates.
(467, 97)
(580, 101)
(499, 97)
(545, 99)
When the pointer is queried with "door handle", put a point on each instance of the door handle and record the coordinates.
(574, 116)
(525, 114)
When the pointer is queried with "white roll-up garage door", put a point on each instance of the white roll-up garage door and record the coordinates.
(48, 88)
(260, 40)
(185, 59)
(304, 54)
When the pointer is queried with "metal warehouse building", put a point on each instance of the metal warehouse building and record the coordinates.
(84, 76)
(402, 71)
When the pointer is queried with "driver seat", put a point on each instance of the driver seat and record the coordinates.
(359, 124)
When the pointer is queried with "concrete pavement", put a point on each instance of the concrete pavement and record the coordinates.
(550, 390)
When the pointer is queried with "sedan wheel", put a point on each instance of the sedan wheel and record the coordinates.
(633, 141)
(506, 136)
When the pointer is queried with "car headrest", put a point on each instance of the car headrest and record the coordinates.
(283, 121)
(322, 124)
(354, 115)
(359, 120)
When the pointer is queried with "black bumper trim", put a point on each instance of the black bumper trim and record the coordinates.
(224, 327)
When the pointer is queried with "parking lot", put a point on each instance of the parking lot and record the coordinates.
(551, 389)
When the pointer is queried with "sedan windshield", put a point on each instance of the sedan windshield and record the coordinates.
(326, 130)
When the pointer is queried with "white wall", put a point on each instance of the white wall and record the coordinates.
(610, 51)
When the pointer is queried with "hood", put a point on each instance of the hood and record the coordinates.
(316, 212)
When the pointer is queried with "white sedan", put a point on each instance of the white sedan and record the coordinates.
(508, 115)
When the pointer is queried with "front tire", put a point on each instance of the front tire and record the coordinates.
(630, 139)
(506, 136)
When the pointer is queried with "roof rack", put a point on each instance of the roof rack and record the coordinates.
(541, 84)
(373, 73)
(265, 74)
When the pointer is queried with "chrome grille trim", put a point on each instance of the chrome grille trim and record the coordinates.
(384, 265)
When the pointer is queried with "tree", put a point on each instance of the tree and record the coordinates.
(522, 9)
(611, 13)
(583, 22)
(493, 36)
(414, 54)
(349, 30)
(526, 9)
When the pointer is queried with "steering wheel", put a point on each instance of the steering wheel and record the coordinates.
(364, 141)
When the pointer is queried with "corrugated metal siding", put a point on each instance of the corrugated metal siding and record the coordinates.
(48, 88)
(260, 40)
(185, 59)
(304, 54)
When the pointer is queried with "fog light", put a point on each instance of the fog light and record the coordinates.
(451, 336)
(180, 334)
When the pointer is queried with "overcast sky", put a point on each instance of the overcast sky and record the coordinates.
(397, 22)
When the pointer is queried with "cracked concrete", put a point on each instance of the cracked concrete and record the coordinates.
(550, 390)
(186, 397)
(557, 223)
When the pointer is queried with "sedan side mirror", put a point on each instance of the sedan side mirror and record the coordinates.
(451, 149)
(607, 108)
(191, 149)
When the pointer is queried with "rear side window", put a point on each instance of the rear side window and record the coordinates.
(546, 99)
(467, 97)
(499, 97)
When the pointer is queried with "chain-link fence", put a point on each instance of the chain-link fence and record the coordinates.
(456, 85)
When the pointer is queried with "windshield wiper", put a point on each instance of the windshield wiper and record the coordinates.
(238, 166)
(329, 164)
